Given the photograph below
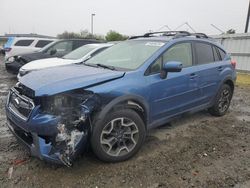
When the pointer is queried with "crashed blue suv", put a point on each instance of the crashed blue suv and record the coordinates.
(110, 101)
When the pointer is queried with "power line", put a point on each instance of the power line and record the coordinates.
(214, 26)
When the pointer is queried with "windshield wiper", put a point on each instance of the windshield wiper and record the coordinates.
(99, 65)
(106, 66)
(88, 64)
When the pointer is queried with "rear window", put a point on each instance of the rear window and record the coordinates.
(23, 42)
(42, 43)
(204, 53)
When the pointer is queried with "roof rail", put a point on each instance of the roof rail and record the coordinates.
(200, 35)
(175, 34)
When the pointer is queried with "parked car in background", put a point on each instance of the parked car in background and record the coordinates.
(3, 41)
(111, 100)
(7, 45)
(79, 55)
(56, 49)
(21, 45)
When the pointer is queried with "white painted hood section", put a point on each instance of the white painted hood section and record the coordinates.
(47, 63)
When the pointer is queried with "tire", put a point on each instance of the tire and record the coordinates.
(222, 101)
(118, 136)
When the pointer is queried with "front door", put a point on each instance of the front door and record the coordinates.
(179, 91)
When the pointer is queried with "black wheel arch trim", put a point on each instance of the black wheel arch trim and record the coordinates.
(135, 98)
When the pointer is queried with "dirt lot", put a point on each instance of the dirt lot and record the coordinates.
(197, 150)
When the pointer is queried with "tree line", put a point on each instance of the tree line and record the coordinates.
(85, 34)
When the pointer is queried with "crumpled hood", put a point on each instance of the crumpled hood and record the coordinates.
(46, 63)
(60, 79)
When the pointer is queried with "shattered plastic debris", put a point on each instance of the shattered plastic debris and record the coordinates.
(71, 140)
(10, 172)
(62, 135)
(205, 154)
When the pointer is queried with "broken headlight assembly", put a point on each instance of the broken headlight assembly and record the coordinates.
(75, 123)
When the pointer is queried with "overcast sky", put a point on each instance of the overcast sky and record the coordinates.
(50, 17)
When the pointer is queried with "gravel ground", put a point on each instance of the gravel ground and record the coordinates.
(196, 150)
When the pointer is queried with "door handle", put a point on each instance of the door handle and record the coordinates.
(220, 68)
(193, 75)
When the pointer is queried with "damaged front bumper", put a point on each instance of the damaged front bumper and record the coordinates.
(34, 134)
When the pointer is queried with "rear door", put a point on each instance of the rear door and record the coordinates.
(209, 66)
(179, 91)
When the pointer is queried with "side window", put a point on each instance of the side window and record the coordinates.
(42, 43)
(63, 47)
(222, 53)
(216, 55)
(180, 52)
(156, 66)
(23, 43)
(204, 53)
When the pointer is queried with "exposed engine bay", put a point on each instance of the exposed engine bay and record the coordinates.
(74, 109)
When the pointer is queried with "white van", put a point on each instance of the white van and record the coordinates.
(25, 45)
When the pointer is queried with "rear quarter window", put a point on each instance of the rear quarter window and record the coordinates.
(204, 53)
(222, 53)
(42, 43)
(23, 43)
(216, 54)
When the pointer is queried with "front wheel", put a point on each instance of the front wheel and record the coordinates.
(222, 101)
(119, 136)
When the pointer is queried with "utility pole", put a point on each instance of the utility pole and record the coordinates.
(248, 16)
(92, 24)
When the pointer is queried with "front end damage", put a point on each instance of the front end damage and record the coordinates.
(74, 110)
(58, 126)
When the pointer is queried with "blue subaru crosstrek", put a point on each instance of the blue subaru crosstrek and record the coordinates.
(110, 101)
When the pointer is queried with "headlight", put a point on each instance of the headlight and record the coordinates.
(10, 60)
(67, 103)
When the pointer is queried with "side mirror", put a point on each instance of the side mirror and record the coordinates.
(53, 52)
(170, 66)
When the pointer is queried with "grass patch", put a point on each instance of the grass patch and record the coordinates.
(243, 79)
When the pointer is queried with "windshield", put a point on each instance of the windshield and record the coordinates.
(126, 55)
(79, 52)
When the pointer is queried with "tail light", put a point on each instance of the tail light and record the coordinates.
(7, 49)
(233, 63)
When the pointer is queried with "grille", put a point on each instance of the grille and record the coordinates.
(20, 105)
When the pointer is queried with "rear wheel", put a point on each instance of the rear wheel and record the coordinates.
(119, 136)
(222, 101)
